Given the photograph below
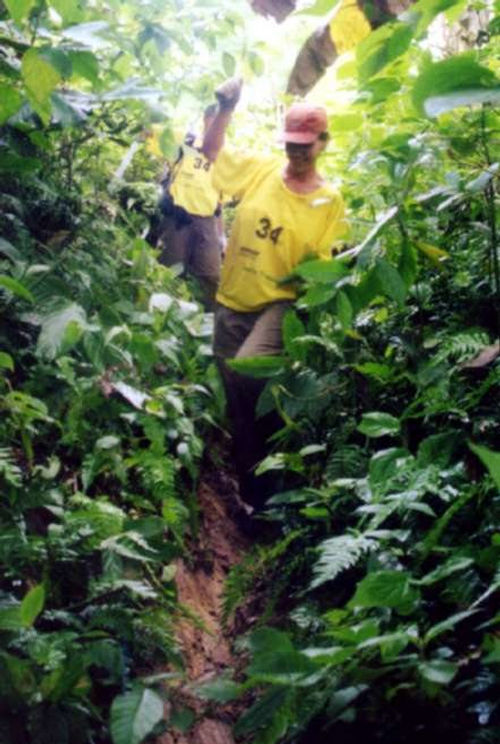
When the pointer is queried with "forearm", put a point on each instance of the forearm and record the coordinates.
(213, 140)
(227, 95)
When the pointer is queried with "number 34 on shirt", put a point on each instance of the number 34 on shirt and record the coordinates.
(266, 230)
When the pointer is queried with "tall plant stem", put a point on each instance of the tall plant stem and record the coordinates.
(489, 194)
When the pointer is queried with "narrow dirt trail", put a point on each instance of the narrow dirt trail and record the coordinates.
(206, 645)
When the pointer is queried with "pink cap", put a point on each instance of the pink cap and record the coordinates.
(304, 122)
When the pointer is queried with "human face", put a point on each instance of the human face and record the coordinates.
(302, 157)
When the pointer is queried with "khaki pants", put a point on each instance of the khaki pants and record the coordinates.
(195, 246)
(238, 335)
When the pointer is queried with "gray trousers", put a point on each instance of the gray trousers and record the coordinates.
(238, 335)
(196, 247)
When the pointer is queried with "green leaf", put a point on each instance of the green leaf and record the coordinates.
(10, 102)
(229, 64)
(458, 81)
(382, 46)
(345, 122)
(447, 624)
(317, 295)
(259, 366)
(69, 10)
(280, 667)
(322, 270)
(378, 424)
(439, 671)
(10, 617)
(391, 281)
(424, 12)
(263, 711)
(384, 465)
(385, 589)
(134, 715)
(383, 220)
(344, 310)
(6, 361)
(7, 249)
(292, 329)
(380, 372)
(58, 59)
(489, 458)
(256, 63)
(182, 719)
(84, 64)
(19, 9)
(16, 288)
(12, 163)
(40, 78)
(266, 640)
(220, 690)
(454, 564)
(32, 605)
(407, 265)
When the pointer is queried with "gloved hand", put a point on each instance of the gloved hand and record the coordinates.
(228, 94)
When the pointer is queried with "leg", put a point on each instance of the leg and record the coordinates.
(174, 242)
(204, 258)
(243, 335)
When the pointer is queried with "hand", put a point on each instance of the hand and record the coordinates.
(228, 94)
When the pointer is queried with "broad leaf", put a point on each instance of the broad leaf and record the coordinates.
(15, 287)
(385, 589)
(134, 715)
(454, 564)
(293, 328)
(40, 78)
(439, 671)
(259, 366)
(457, 81)
(320, 270)
(490, 458)
(381, 47)
(19, 9)
(391, 281)
(6, 361)
(378, 424)
(10, 102)
(448, 624)
(32, 605)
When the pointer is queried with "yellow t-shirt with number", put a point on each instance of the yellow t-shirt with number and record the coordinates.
(191, 187)
(274, 229)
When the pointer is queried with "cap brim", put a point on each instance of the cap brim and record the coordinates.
(299, 138)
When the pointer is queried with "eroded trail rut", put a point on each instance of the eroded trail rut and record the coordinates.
(204, 640)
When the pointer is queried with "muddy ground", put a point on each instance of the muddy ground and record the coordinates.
(207, 645)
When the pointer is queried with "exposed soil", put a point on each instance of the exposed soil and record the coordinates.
(206, 644)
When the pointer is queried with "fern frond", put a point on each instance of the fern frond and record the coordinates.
(462, 346)
(158, 475)
(348, 461)
(337, 554)
(9, 470)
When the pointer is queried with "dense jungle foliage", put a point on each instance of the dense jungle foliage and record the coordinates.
(380, 622)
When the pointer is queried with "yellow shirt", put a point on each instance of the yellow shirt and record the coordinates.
(192, 187)
(348, 26)
(274, 229)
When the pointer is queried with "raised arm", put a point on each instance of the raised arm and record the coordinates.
(227, 95)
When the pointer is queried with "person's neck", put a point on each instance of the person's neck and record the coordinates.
(302, 182)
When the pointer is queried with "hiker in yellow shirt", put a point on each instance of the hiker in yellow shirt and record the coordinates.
(191, 232)
(286, 213)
